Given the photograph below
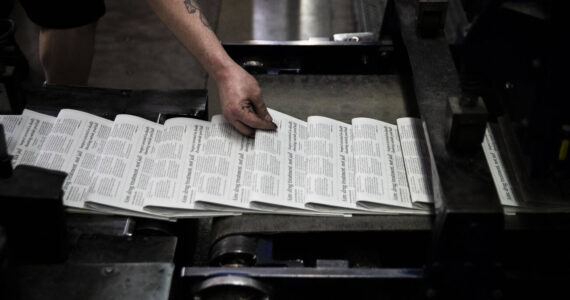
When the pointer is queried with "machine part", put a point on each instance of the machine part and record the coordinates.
(457, 25)
(315, 57)
(121, 249)
(466, 121)
(305, 273)
(5, 158)
(321, 283)
(469, 217)
(369, 15)
(31, 209)
(101, 224)
(254, 67)
(107, 103)
(354, 37)
(235, 250)
(431, 17)
(231, 287)
(154, 227)
(332, 263)
(262, 224)
(134, 281)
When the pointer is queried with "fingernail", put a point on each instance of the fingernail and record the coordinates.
(269, 118)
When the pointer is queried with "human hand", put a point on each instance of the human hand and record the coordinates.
(241, 101)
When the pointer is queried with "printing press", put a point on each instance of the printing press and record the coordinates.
(458, 64)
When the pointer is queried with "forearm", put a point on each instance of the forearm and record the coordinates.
(187, 21)
(240, 96)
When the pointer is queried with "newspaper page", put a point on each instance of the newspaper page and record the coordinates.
(330, 164)
(380, 175)
(416, 159)
(13, 128)
(35, 128)
(172, 188)
(126, 164)
(500, 178)
(280, 168)
(220, 167)
(74, 146)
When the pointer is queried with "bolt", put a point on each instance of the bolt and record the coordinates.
(108, 270)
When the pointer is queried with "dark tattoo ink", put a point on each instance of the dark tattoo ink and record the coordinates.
(194, 8)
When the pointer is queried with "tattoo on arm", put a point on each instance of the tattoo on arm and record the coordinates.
(194, 8)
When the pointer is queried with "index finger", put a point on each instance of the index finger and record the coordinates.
(248, 116)
(260, 107)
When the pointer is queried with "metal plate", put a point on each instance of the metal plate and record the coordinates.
(137, 281)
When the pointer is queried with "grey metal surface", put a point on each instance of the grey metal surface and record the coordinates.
(369, 15)
(277, 20)
(85, 223)
(230, 281)
(269, 224)
(341, 97)
(150, 104)
(136, 281)
(236, 250)
(111, 249)
(313, 273)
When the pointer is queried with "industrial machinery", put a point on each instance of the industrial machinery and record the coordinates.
(461, 64)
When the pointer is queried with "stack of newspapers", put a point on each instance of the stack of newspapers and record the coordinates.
(192, 168)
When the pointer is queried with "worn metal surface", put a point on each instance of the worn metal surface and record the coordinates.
(236, 250)
(149, 104)
(86, 223)
(272, 224)
(315, 57)
(369, 15)
(111, 249)
(136, 281)
(242, 20)
(466, 123)
(311, 273)
(340, 97)
(237, 286)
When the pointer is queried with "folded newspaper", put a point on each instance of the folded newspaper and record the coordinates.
(509, 200)
(193, 168)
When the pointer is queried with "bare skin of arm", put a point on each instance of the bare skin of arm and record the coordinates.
(240, 95)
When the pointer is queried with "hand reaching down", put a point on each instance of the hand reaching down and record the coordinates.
(241, 101)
